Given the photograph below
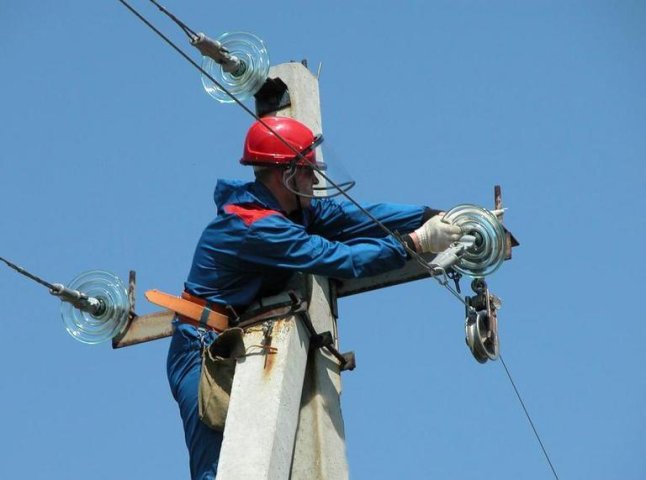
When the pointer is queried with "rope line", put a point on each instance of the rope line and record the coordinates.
(529, 418)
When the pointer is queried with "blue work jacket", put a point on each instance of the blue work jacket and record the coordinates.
(252, 247)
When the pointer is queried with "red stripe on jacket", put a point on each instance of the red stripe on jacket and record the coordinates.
(249, 213)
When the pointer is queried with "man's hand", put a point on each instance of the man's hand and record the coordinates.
(436, 235)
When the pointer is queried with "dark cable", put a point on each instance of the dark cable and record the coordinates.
(513, 384)
(189, 32)
(28, 275)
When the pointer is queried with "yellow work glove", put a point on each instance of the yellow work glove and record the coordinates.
(437, 234)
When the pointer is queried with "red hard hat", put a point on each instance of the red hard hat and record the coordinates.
(263, 148)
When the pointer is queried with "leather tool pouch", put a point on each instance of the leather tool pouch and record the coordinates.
(218, 367)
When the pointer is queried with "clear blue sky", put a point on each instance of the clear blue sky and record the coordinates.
(109, 152)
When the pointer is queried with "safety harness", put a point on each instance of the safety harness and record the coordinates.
(219, 318)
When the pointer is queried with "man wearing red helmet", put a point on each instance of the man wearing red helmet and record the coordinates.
(268, 229)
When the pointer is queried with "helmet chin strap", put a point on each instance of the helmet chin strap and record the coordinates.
(291, 177)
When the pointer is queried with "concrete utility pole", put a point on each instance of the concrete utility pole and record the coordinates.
(284, 419)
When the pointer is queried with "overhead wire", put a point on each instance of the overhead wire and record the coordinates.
(413, 254)
(191, 34)
(27, 274)
(529, 418)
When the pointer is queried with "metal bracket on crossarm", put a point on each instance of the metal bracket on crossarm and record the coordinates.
(347, 360)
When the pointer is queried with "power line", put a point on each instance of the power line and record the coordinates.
(529, 418)
(24, 272)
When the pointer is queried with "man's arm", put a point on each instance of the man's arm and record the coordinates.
(278, 242)
(342, 221)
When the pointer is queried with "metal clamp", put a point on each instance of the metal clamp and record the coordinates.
(347, 360)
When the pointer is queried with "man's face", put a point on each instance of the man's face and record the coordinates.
(305, 180)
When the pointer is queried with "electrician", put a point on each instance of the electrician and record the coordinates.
(266, 230)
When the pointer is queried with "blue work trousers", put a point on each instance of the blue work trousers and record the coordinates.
(183, 368)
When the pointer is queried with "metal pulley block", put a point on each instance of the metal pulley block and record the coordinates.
(481, 337)
(481, 326)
